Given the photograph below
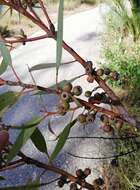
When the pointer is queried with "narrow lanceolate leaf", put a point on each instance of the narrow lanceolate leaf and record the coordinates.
(59, 36)
(25, 187)
(7, 99)
(39, 141)
(4, 52)
(21, 140)
(62, 139)
(29, 124)
(47, 66)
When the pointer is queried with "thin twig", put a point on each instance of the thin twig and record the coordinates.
(102, 158)
(27, 39)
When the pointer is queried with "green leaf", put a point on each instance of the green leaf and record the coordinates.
(59, 36)
(25, 187)
(47, 66)
(29, 124)
(2, 178)
(6, 58)
(21, 140)
(39, 141)
(62, 139)
(7, 99)
(34, 182)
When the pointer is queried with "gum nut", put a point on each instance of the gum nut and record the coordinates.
(67, 87)
(77, 90)
(4, 138)
(100, 72)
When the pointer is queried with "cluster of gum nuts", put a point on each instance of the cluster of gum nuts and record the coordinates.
(106, 72)
(67, 96)
(108, 123)
(80, 175)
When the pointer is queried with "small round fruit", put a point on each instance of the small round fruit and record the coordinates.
(63, 178)
(100, 72)
(77, 90)
(67, 87)
(91, 99)
(104, 118)
(82, 118)
(107, 128)
(90, 118)
(107, 71)
(60, 183)
(114, 162)
(89, 67)
(65, 96)
(98, 96)
(88, 94)
(4, 138)
(87, 172)
(79, 173)
(90, 78)
(99, 181)
(73, 186)
(65, 105)
(114, 75)
(61, 110)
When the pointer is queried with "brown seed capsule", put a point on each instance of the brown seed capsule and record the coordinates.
(88, 94)
(99, 181)
(65, 96)
(82, 118)
(87, 172)
(63, 178)
(67, 87)
(100, 72)
(90, 78)
(107, 128)
(98, 96)
(90, 118)
(114, 75)
(104, 118)
(73, 186)
(89, 67)
(77, 90)
(60, 183)
(107, 71)
(79, 172)
(61, 110)
(4, 138)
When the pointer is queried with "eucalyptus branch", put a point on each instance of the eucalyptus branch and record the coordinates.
(54, 91)
(21, 40)
(28, 86)
(12, 165)
(121, 109)
(54, 169)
